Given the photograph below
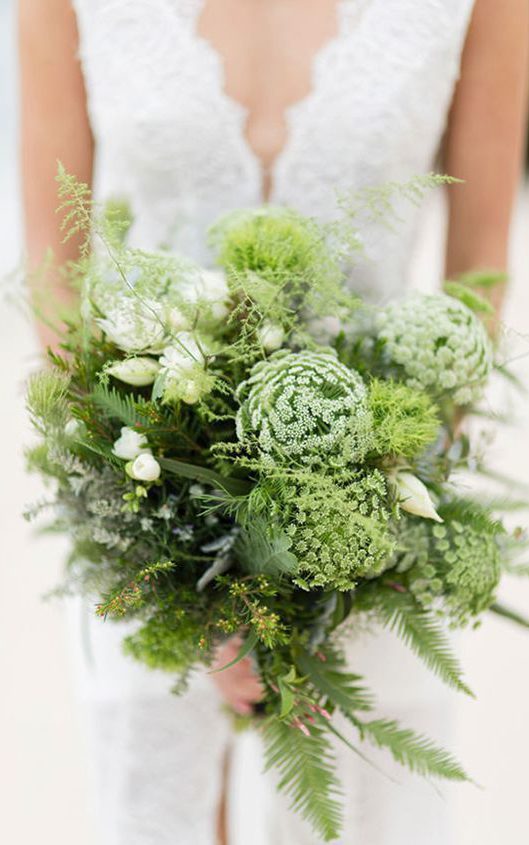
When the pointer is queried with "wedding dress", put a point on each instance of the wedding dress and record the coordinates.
(172, 142)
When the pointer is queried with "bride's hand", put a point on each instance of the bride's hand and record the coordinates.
(239, 686)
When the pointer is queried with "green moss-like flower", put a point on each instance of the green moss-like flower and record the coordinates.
(339, 533)
(306, 407)
(453, 565)
(440, 344)
(274, 243)
(405, 420)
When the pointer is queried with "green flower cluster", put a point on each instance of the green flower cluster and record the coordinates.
(339, 532)
(305, 407)
(440, 344)
(453, 565)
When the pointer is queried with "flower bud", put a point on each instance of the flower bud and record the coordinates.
(130, 444)
(271, 336)
(138, 372)
(414, 497)
(144, 468)
(73, 427)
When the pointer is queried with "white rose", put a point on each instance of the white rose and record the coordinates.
(134, 325)
(271, 336)
(136, 371)
(144, 468)
(130, 444)
(414, 496)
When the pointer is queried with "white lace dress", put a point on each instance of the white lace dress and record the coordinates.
(171, 141)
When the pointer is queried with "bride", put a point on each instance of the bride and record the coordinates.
(187, 109)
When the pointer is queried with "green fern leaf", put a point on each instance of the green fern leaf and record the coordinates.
(415, 751)
(263, 549)
(423, 633)
(331, 679)
(306, 770)
(120, 406)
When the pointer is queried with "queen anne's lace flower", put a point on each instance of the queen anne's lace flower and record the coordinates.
(452, 565)
(339, 533)
(440, 344)
(306, 407)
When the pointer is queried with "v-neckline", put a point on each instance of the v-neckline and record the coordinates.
(253, 160)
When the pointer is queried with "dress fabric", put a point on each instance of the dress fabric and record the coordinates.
(172, 142)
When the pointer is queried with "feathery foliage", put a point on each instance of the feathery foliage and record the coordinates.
(306, 770)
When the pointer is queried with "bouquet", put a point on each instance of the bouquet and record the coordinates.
(251, 450)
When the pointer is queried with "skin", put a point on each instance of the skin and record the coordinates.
(483, 144)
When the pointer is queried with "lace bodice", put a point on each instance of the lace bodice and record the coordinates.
(172, 142)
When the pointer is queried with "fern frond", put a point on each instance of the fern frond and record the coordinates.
(332, 680)
(421, 632)
(416, 752)
(472, 514)
(306, 769)
(120, 406)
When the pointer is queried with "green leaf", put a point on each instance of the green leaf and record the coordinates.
(331, 679)
(483, 278)
(468, 297)
(415, 751)
(124, 407)
(286, 692)
(263, 549)
(248, 645)
(422, 632)
(511, 615)
(307, 774)
(234, 486)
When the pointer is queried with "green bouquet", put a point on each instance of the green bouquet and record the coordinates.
(228, 460)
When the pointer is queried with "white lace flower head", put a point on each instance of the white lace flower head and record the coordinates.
(440, 344)
(306, 407)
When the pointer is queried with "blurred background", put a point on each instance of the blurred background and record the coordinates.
(44, 781)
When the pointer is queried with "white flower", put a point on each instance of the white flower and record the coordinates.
(324, 329)
(214, 290)
(72, 428)
(178, 320)
(136, 371)
(182, 355)
(130, 444)
(414, 496)
(209, 287)
(271, 336)
(135, 325)
(144, 468)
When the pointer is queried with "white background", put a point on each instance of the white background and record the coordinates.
(43, 778)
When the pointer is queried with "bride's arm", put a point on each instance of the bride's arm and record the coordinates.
(54, 126)
(486, 135)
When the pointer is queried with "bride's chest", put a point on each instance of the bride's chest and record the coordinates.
(171, 102)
